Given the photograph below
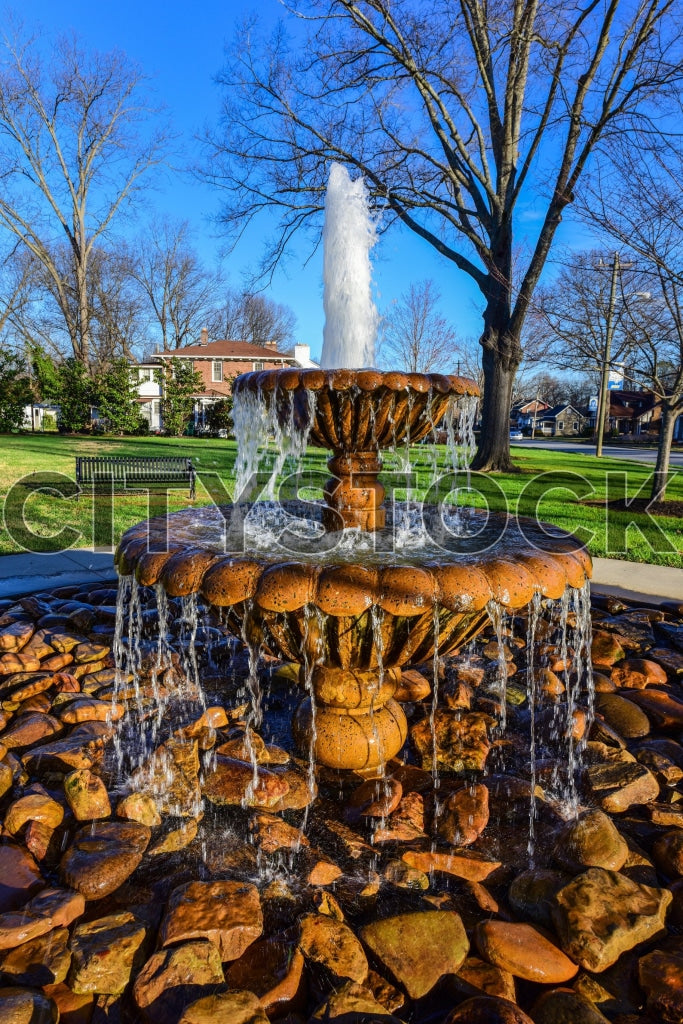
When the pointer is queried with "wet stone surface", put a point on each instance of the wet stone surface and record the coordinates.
(210, 874)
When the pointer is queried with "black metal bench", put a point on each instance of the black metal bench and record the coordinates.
(119, 472)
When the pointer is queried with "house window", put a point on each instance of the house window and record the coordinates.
(217, 371)
(156, 406)
(575, 425)
(258, 366)
(560, 424)
(146, 373)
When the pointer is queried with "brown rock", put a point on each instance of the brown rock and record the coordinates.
(476, 977)
(353, 1002)
(412, 687)
(637, 673)
(460, 743)
(660, 974)
(245, 747)
(472, 868)
(668, 853)
(33, 807)
(487, 1010)
(175, 838)
(6, 778)
(86, 795)
(26, 1006)
(376, 798)
(105, 952)
(523, 951)
(398, 873)
(465, 815)
(173, 978)
(171, 778)
(603, 683)
(19, 876)
(605, 650)
(590, 841)
(233, 783)
(418, 949)
(227, 913)
(73, 1009)
(565, 1005)
(30, 730)
(102, 856)
(406, 823)
(15, 635)
(623, 715)
(139, 807)
(301, 790)
(41, 961)
(89, 651)
(273, 971)
(227, 1007)
(617, 780)
(271, 833)
(75, 751)
(10, 663)
(663, 710)
(41, 841)
(601, 914)
(89, 709)
(332, 945)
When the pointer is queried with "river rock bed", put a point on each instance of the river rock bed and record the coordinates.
(193, 889)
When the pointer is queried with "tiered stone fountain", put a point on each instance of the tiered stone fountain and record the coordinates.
(352, 625)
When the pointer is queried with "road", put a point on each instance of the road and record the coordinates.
(611, 451)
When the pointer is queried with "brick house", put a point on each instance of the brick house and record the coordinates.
(219, 362)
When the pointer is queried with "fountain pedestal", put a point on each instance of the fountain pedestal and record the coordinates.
(354, 495)
(352, 723)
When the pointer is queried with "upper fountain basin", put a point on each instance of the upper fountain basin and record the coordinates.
(358, 410)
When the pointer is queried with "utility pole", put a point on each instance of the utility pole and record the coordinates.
(603, 398)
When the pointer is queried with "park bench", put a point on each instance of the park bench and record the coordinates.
(119, 472)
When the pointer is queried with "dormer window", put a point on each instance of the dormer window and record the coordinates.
(217, 371)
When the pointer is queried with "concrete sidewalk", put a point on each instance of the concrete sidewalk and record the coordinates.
(28, 573)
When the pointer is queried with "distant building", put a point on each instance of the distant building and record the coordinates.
(561, 420)
(219, 362)
(523, 414)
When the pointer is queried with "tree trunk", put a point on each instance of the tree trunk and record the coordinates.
(666, 433)
(500, 360)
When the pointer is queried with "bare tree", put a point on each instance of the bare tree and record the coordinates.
(181, 292)
(461, 114)
(415, 336)
(71, 158)
(255, 318)
(16, 277)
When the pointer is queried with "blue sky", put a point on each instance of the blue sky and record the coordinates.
(181, 48)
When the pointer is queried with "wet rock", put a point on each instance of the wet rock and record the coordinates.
(173, 978)
(622, 715)
(668, 853)
(487, 1010)
(234, 858)
(42, 841)
(315, 868)
(477, 977)
(89, 651)
(19, 876)
(531, 894)
(590, 841)
(663, 768)
(26, 1006)
(105, 952)
(459, 743)
(30, 730)
(376, 798)
(15, 635)
(523, 951)
(465, 815)
(102, 856)
(666, 814)
(41, 961)
(228, 1007)
(468, 866)
(232, 783)
(617, 780)
(601, 914)
(171, 777)
(86, 795)
(6, 778)
(660, 974)
(354, 1002)
(51, 908)
(301, 790)
(10, 663)
(139, 807)
(417, 949)
(273, 971)
(398, 873)
(637, 673)
(33, 807)
(603, 683)
(271, 833)
(406, 823)
(412, 687)
(605, 649)
(671, 661)
(563, 1006)
(662, 709)
(248, 747)
(73, 752)
(89, 709)
(175, 839)
(330, 944)
(226, 913)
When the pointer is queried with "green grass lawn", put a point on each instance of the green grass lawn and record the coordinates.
(55, 521)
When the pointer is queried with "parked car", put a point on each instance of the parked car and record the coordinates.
(516, 435)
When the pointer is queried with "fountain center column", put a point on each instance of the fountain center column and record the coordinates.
(353, 494)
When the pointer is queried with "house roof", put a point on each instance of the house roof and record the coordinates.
(227, 350)
(555, 411)
(529, 405)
